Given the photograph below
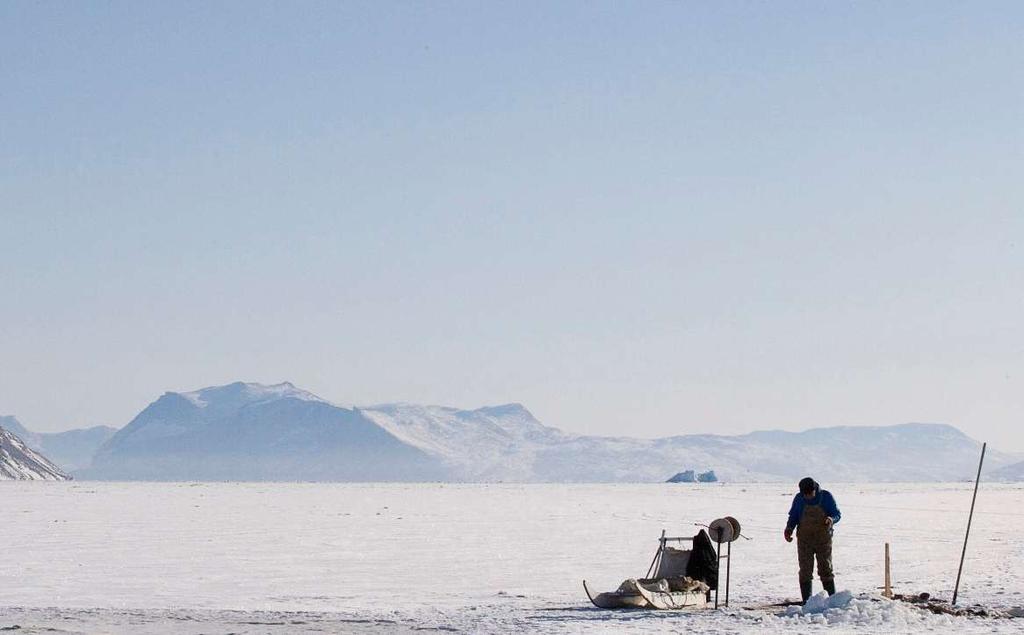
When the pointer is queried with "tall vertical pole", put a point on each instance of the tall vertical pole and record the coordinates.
(956, 587)
(887, 588)
(728, 565)
(718, 560)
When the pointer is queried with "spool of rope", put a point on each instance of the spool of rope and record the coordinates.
(724, 529)
(735, 526)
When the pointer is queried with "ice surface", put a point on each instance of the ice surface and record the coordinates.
(153, 557)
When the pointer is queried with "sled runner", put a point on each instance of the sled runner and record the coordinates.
(653, 594)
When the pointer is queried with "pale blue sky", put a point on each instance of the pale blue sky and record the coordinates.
(633, 217)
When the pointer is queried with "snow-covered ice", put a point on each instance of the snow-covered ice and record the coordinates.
(257, 557)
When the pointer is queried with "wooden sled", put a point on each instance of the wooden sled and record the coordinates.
(645, 594)
(665, 587)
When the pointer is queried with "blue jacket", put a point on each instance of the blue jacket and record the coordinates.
(823, 498)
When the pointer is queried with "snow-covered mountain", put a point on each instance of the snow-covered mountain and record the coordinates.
(508, 443)
(18, 462)
(257, 432)
(499, 443)
(71, 450)
(911, 452)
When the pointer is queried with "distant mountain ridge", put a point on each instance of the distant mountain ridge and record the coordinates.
(496, 443)
(71, 450)
(257, 433)
(280, 432)
(18, 462)
(1010, 473)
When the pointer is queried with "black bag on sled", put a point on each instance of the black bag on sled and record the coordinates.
(703, 564)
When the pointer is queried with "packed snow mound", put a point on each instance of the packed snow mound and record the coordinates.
(822, 602)
(18, 462)
(843, 609)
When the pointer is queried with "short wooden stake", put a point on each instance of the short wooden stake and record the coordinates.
(887, 590)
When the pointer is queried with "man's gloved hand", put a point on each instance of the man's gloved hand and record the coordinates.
(788, 535)
(828, 522)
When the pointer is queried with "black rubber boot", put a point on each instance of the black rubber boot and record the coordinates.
(830, 586)
(805, 590)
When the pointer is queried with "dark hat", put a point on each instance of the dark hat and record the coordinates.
(808, 485)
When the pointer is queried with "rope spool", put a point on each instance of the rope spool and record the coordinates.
(735, 526)
(724, 529)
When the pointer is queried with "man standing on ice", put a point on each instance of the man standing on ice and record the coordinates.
(813, 514)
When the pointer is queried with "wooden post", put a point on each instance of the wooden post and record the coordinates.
(956, 587)
(887, 589)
